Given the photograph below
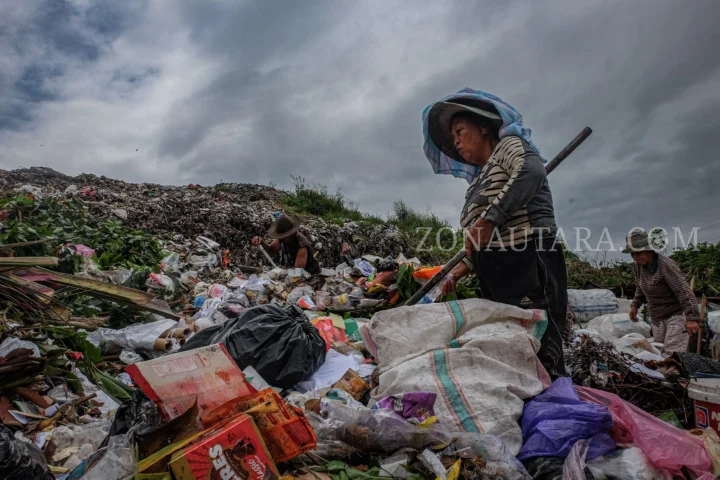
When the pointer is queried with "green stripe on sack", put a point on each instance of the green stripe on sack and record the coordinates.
(460, 410)
(455, 343)
(541, 324)
(457, 312)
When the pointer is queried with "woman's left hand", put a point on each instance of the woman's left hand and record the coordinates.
(692, 327)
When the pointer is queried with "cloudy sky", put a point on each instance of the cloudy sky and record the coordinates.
(182, 91)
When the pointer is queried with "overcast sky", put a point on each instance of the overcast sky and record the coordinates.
(331, 90)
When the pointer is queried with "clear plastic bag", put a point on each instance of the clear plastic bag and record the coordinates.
(628, 464)
(171, 263)
(118, 462)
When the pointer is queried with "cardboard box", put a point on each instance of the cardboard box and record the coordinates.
(235, 451)
(173, 382)
(285, 429)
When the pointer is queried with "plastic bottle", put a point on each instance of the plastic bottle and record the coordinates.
(433, 294)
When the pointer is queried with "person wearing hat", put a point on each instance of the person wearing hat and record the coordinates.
(508, 214)
(661, 285)
(297, 251)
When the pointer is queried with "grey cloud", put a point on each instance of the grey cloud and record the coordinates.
(615, 66)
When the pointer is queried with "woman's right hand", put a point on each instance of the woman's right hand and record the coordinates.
(450, 285)
(633, 313)
(256, 241)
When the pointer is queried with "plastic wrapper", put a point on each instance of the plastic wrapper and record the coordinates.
(201, 289)
(162, 281)
(171, 263)
(628, 464)
(365, 268)
(19, 459)
(279, 343)
(322, 300)
(555, 420)
(203, 260)
(189, 279)
(236, 296)
(118, 461)
(128, 357)
(297, 293)
(217, 290)
(116, 276)
(413, 406)
(666, 446)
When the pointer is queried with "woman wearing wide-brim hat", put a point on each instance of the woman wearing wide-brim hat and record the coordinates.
(297, 251)
(661, 285)
(508, 214)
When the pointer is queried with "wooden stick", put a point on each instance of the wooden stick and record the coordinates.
(703, 307)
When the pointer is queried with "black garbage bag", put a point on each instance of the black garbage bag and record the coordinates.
(278, 342)
(21, 460)
(138, 413)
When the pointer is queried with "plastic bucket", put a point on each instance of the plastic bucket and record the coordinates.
(705, 393)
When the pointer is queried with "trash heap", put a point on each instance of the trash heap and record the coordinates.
(230, 214)
(124, 356)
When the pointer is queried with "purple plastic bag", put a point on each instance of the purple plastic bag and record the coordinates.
(555, 420)
(410, 405)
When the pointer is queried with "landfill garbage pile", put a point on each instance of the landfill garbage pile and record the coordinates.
(124, 355)
(230, 214)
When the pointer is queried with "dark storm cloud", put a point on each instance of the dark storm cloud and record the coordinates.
(334, 92)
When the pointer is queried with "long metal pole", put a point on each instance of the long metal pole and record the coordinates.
(458, 257)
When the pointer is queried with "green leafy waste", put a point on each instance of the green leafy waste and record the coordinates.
(76, 341)
(65, 222)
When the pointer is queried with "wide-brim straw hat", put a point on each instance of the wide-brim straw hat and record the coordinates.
(638, 241)
(441, 115)
(284, 226)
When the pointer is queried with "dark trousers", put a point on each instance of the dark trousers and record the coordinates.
(532, 277)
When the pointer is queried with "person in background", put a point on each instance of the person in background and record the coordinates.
(508, 213)
(662, 286)
(296, 250)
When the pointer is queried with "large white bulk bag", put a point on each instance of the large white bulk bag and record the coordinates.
(478, 356)
(588, 304)
(617, 325)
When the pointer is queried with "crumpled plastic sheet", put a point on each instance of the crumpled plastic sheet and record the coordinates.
(574, 466)
(628, 464)
(137, 336)
(115, 462)
(12, 343)
(19, 459)
(342, 431)
(555, 420)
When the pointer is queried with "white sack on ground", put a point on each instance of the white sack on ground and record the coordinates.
(617, 325)
(588, 304)
(478, 356)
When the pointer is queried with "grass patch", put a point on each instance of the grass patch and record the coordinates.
(431, 237)
(316, 200)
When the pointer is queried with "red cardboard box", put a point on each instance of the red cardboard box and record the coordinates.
(235, 451)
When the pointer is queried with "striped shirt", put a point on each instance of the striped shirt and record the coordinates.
(511, 192)
(664, 290)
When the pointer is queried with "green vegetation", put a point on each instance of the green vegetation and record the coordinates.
(66, 222)
(439, 243)
(703, 263)
(316, 200)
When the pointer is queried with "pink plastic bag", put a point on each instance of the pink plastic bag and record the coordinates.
(666, 446)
